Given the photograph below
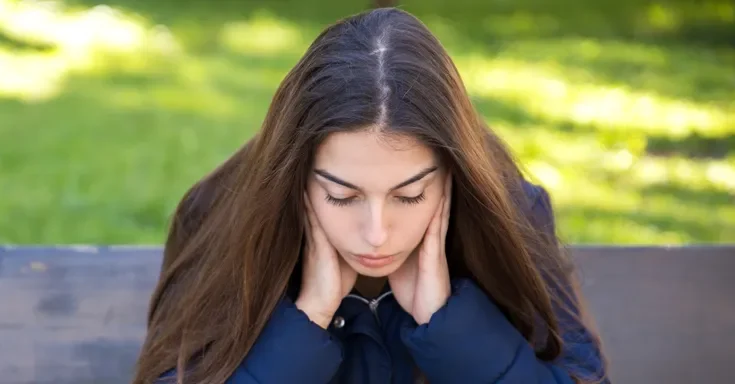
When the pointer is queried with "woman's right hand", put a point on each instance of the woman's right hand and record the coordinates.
(326, 278)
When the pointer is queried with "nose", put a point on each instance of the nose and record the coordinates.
(375, 228)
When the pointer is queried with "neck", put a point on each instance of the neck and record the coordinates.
(370, 287)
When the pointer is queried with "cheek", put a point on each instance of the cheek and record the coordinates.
(411, 227)
(335, 221)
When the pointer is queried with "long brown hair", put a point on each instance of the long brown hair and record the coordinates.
(235, 240)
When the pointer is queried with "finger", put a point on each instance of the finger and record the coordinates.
(307, 231)
(448, 191)
(312, 218)
(317, 233)
(435, 223)
(307, 220)
(309, 253)
(432, 239)
(447, 206)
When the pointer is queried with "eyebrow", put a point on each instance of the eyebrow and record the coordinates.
(347, 184)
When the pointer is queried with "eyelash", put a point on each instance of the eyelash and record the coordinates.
(412, 200)
(350, 200)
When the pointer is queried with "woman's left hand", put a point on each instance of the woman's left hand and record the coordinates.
(421, 285)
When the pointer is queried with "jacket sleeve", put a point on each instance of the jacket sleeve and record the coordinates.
(291, 349)
(470, 340)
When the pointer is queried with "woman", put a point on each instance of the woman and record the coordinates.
(373, 231)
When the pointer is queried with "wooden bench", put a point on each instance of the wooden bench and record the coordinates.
(76, 315)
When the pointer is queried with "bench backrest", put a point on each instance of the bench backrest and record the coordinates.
(77, 314)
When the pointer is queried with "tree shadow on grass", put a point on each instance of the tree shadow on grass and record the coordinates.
(693, 146)
(696, 231)
(702, 23)
(694, 215)
(497, 109)
(22, 45)
(604, 39)
(709, 197)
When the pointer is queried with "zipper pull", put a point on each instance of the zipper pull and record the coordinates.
(373, 305)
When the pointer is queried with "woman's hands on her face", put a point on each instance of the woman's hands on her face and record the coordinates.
(326, 278)
(421, 285)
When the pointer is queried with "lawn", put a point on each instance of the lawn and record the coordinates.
(624, 111)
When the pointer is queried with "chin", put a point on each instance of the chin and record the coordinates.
(372, 272)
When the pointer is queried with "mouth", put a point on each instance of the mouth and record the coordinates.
(374, 261)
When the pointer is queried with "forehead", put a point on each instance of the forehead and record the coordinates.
(369, 158)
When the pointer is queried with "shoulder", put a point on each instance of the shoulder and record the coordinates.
(537, 207)
(530, 190)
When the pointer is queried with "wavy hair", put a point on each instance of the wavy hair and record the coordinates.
(235, 241)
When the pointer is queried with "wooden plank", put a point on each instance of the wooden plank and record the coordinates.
(73, 316)
(666, 315)
(77, 315)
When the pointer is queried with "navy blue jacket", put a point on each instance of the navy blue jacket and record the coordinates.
(375, 341)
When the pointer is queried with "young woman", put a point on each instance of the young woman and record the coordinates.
(373, 231)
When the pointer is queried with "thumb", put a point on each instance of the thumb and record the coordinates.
(432, 238)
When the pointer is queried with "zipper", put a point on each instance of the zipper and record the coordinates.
(372, 304)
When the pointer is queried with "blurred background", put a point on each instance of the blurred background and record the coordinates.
(109, 111)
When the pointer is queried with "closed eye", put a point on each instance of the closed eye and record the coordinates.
(349, 200)
(339, 202)
(412, 200)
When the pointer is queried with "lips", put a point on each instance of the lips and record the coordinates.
(373, 257)
(374, 261)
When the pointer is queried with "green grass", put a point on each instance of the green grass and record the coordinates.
(625, 111)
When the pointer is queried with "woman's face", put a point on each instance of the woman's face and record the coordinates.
(374, 196)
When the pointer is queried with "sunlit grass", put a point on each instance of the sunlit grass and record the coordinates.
(94, 39)
(111, 112)
(546, 91)
(262, 34)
